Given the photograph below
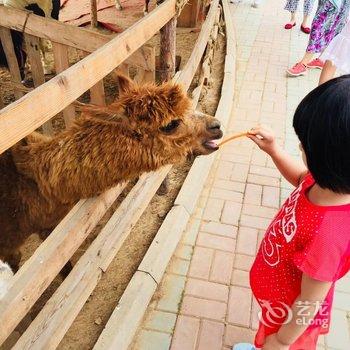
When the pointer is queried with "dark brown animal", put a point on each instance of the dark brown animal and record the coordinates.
(17, 37)
(41, 178)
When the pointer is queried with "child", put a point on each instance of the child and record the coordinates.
(337, 55)
(329, 20)
(306, 248)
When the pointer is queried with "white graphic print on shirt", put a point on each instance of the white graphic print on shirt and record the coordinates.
(284, 224)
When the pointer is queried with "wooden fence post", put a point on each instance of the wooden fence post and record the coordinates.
(93, 10)
(167, 49)
(60, 53)
(7, 44)
(33, 52)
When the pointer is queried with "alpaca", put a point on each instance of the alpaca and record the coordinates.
(42, 177)
(5, 276)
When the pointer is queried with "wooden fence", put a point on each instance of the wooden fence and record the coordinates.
(34, 109)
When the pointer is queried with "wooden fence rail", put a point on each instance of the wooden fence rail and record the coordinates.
(27, 114)
(22, 117)
(65, 34)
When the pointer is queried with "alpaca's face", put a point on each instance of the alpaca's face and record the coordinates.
(164, 114)
(161, 118)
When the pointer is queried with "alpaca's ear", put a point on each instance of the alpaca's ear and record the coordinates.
(177, 99)
(91, 108)
(102, 112)
(124, 82)
(175, 95)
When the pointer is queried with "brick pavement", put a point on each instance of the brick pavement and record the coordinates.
(204, 301)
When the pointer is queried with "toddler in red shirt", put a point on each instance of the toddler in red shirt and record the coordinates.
(306, 248)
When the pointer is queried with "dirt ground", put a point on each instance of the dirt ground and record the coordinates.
(90, 322)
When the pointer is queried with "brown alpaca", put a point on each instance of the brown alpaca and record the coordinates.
(41, 178)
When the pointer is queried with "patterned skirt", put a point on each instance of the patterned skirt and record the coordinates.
(327, 24)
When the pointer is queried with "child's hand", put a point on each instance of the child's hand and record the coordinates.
(272, 343)
(264, 138)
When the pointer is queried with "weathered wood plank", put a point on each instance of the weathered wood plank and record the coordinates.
(2, 104)
(7, 44)
(61, 60)
(123, 323)
(93, 11)
(207, 60)
(147, 75)
(80, 38)
(42, 267)
(66, 309)
(121, 326)
(189, 14)
(97, 94)
(61, 310)
(37, 69)
(167, 50)
(23, 116)
(197, 53)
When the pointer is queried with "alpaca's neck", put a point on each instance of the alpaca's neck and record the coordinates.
(92, 157)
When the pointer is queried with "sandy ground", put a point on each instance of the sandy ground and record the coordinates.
(88, 325)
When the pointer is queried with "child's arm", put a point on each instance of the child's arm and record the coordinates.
(313, 293)
(291, 169)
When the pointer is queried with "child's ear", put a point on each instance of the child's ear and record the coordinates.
(125, 83)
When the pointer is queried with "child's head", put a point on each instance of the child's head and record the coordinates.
(322, 123)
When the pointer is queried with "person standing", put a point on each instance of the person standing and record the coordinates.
(330, 18)
(292, 6)
(337, 55)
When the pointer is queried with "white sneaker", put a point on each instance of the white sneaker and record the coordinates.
(256, 3)
(244, 346)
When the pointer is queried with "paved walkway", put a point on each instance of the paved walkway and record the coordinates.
(204, 302)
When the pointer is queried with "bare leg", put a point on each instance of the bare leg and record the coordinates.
(307, 57)
(305, 21)
(308, 5)
(328, 72)
(145, 8)
(292, 18)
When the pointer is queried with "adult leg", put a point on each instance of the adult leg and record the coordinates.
(291, 6)
(308, 5)
(316, 41)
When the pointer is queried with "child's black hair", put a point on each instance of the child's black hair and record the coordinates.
(322, 123)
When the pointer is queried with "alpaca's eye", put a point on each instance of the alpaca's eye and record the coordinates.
(171, 126)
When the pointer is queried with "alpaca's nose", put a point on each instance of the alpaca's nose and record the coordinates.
(213, 124)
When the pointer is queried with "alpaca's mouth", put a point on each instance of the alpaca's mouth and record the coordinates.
(211, 145)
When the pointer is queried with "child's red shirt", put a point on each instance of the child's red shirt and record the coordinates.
(302, 238)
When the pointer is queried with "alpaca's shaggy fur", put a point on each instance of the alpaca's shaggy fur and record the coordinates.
(41, 178)
(5, 275)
